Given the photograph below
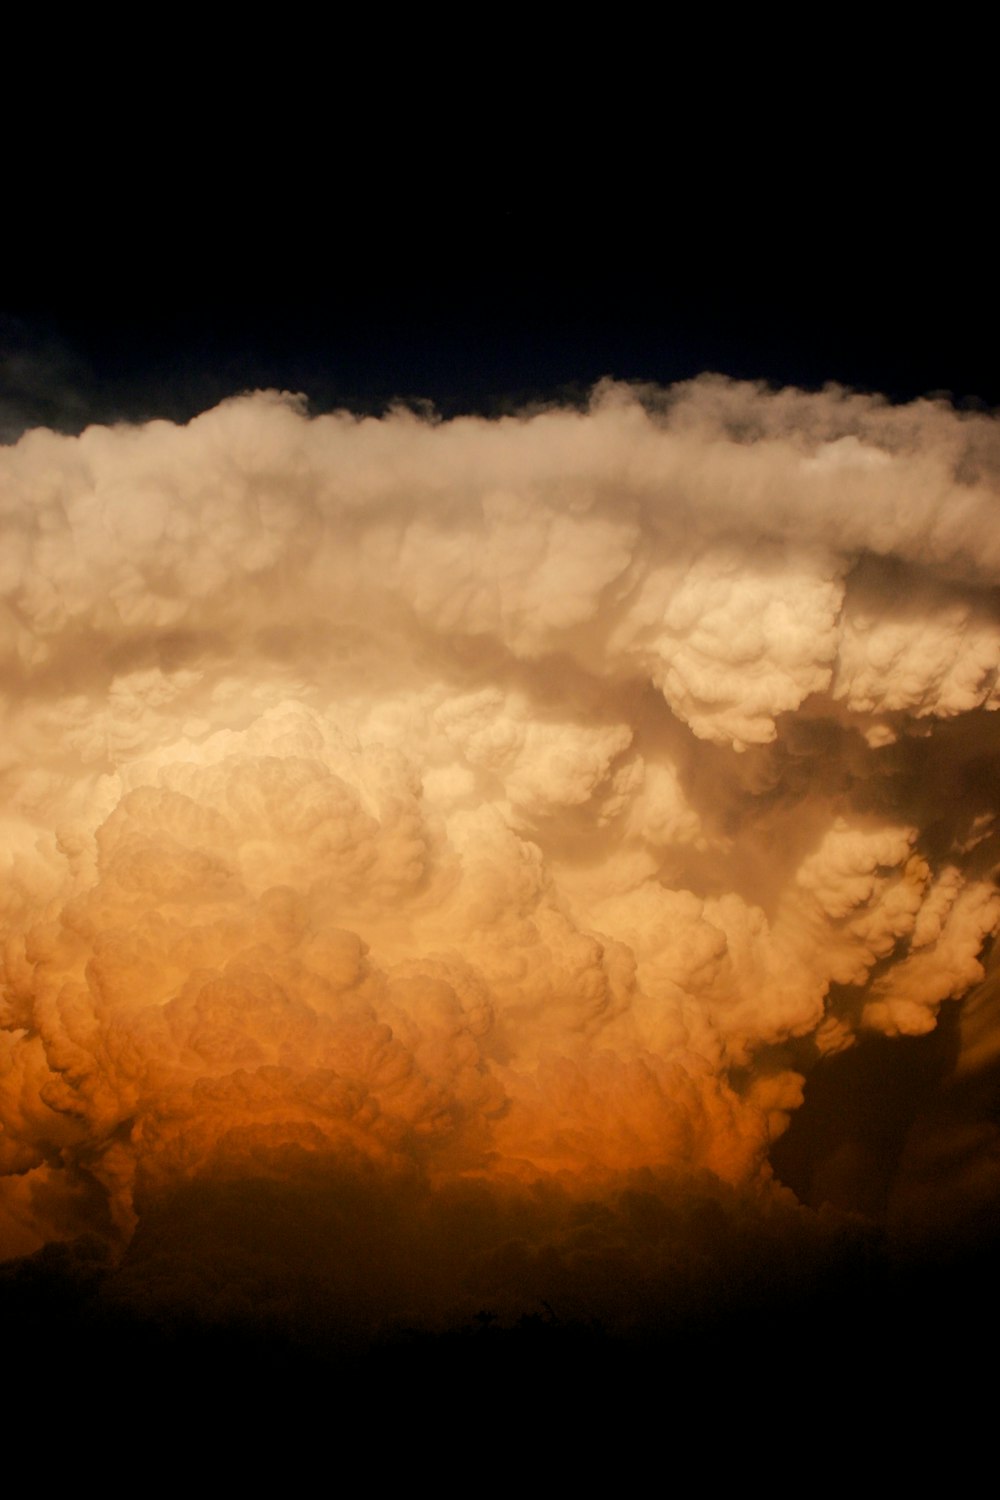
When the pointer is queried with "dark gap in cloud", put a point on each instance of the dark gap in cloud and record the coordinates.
(843, 1147)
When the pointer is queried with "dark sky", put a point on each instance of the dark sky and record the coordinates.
(365, 216)
(159, 295)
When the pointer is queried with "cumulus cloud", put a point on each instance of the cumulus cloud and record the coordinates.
(480, 802)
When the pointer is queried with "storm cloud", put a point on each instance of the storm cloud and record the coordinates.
(478, 819)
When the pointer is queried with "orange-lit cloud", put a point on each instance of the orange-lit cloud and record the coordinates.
(480, 807)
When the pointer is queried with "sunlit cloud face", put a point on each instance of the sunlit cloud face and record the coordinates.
(484, 807)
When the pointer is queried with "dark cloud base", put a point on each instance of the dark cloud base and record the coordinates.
(853, 1357)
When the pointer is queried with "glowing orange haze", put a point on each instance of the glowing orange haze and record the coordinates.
(481, 801)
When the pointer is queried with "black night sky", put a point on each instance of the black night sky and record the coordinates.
(381, 284)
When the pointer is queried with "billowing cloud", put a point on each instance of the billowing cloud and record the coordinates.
(491, 807)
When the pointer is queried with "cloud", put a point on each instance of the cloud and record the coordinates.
(495, 803)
